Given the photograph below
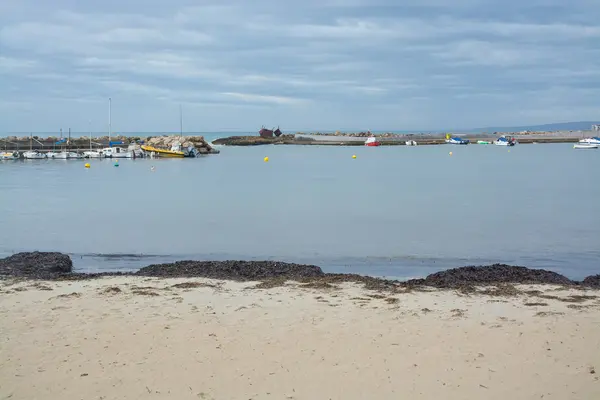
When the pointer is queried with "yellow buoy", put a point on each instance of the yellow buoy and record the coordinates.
(450, 153)
(354, 156)
(87, 165)
(266, 159)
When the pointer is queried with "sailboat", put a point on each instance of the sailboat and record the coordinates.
(114, 152)
(66, 154)
(92, 153)
(31, 154)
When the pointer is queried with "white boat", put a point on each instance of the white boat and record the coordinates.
(33, 155)
(457, 140)
(592, 140)
(505, 141)
(66, 155)
(410, 143)
(9, 155)
(585, 146)
(93, 154)
(117, 152)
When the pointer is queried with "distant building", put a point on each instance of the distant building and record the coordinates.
(596, 127)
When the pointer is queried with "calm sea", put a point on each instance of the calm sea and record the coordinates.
(393, 211)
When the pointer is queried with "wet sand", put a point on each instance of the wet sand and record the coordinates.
(193, 338)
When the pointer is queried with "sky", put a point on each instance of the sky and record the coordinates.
(302, 65)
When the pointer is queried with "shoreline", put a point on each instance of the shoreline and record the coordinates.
(55, 266)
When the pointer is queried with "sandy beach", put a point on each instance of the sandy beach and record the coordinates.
(149, 338)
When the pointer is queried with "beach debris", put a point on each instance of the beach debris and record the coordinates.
(36, 264)
(232, 270)
(493, 274)
(592, 281)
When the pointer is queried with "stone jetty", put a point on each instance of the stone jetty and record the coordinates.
(23, 143)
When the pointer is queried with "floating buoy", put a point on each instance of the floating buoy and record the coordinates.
(450, 153)
(266, 159)
(87, 165)
(353, 155)
(117, 164)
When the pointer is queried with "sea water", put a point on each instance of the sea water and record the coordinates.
(395, 211)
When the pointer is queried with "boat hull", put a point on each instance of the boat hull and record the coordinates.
(585, 146)
(373, 144)
(92, 154)
(33, 155)
(164, 153)
(9, 156)
(501, 143)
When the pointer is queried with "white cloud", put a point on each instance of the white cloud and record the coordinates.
(252, 98)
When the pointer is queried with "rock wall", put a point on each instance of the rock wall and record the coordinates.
(165, 142)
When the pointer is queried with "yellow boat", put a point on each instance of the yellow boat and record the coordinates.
(163, 152)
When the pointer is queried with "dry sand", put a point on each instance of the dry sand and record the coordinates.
(143, 338)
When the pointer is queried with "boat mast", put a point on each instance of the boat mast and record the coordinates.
(90, 129)
(180, 122)
(109, 120)
(31, 142)
(69, 140)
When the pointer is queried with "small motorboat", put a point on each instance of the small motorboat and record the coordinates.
(585, 146)
(174, 152)
(411, 143)
(483, 142)
(93, 154)
(9, 155)
(116, 152)
(372, 141)
(65, 155)
(505, 141)
(592, 140)
(457, 140)
(34, 155)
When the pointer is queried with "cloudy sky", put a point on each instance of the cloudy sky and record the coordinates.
(303, 65)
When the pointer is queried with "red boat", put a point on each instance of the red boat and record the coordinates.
(372, 141)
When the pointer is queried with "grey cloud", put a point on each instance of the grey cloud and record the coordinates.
(423, 62)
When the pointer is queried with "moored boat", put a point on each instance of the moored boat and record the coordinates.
(33, 155)
(174, 152)
(117, 152)
(505, 141)
(592, 140)
(9, 155)
(372, 141)
(483, 142)
(457, 140)
(93, 154)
